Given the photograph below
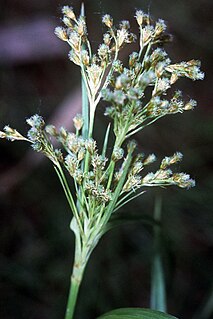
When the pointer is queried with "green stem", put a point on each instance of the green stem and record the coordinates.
(79, 265)
(73, 294)
(68, 195)
(85, 109)
(112, 167)
(91, 125)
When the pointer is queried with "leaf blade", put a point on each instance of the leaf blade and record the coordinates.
(135, 313)
(158, 286)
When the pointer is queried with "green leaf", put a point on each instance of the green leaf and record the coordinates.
(158, 287)
(158, 291)
(106, 140)
(135, 313)
(129, 218)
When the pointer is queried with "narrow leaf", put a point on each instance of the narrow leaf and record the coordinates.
(128, 200)
(158, 295)
(158, 290)
(135, 313)
(106, 140)
(82, 10)
(126, 219)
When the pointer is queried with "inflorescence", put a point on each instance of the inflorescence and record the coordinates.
(104, 184)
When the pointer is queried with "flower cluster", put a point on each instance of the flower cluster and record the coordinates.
(12, 134)
(164, 176)
(137, 95)
(93, 66)
(94, 182)
(148, 69)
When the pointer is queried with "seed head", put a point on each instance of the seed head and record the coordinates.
(103, 51)
(63, 133)
(118, 97)
(134, 94)
(107, 20)
(81, 153)
(162, 175)
(117, 154)
(160, 68)
(107, 39)
(37, 146)
(190, 105)
(74, 41)
(94, 73)
(59, 155)
(163, 85)
(183, 180)
(122, 36)
(11, 134)
(34, 134)
(90, 145)
(148, 178)
(147, 34)
(117, 66)
(190, 69)
(61, 33)
(67, 21)
(147, 78)
(78, 122)
(133, 58)
(74, 57)
(122, 81)
(160, 27)
(174, 78)
(68, 11)
(131, 146)
(124, 24)
(81, 26)
(133, 182)
(74, 146)
(137, 167)
(150, 159)
(51, 130)
(167, 161)
(98, 161)
(78, 176)
(139, 15)
(2, 134)
(71, 163)
(36, 121)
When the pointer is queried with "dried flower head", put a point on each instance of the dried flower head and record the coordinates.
(78, 122)
(68, 11)
(61, 33)
(139, 17)
(107, 20)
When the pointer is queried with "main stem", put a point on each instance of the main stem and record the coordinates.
(76, 279)
(73, 294)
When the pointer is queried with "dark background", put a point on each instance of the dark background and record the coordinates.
(36, 245)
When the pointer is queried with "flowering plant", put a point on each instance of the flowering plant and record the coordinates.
(137, 96)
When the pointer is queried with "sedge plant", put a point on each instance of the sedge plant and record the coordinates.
(137, 95)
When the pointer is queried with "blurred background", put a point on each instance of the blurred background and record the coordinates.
(36, 245)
